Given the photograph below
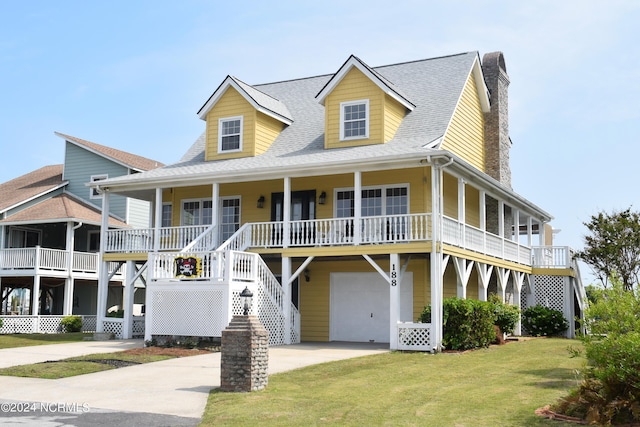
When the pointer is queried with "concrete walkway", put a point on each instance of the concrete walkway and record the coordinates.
(177, 387)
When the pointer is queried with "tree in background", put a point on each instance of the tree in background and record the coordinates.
(613, 247)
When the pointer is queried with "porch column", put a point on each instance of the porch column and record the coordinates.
(518, 281)
(35, 298)
(484, 275)
(3, 243)
(286, 274)
(215, 201)
(357, 206)
(157, 222)
(462, 211)
(483, 219)
(395, 280)
(501, 226)
(67, 305)
(529, 231)
(127, 300)
(542, 240)
(436, 258)
(103, 271)
(286, 214)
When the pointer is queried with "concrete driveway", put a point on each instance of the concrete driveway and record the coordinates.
(170, 392)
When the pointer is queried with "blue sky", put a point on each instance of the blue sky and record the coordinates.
(133, 74)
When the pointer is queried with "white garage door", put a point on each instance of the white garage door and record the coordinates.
(360, 306)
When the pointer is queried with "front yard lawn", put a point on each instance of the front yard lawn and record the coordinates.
(25, 340)
(499, 386)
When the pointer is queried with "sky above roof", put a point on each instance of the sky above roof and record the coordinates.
(133, 75)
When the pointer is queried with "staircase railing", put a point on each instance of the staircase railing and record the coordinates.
(206, 241)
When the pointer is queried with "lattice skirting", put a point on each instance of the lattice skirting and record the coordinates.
(41, 324)
(414, 336)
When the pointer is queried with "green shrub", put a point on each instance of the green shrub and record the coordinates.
(610, 391)
(467, 323)
(0, 323)
(506, 315)
(71, 323)
(543, 321)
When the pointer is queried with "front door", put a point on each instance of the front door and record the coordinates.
(303, 207)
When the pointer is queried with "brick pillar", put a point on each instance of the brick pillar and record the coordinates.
(244, 355)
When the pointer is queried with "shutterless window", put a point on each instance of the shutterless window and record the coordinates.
(354, 120)
(230, 218)
(167, 211)
(196, 212)
(230, 134)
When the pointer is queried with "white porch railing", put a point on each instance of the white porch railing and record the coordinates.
(218, 266)
(45, 260)
(468, 237)
(552, 256)
(142, 239)
(384, 229)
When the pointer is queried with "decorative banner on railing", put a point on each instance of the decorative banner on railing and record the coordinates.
(188, 267)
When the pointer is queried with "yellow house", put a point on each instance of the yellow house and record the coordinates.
(347, 203)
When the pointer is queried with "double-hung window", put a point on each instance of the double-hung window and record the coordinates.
(230, 134)
(167, 213)
(354, 120)
(230, 217)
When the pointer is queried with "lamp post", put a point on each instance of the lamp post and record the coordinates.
(246, 296)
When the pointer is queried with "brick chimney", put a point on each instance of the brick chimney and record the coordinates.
(496, 121)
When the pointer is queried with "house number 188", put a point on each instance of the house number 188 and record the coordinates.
(394, 275)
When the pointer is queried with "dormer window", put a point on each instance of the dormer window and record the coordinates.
(354, 120)
(230, 135)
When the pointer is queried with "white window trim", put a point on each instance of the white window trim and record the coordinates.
(201, 201)
(162, 213)
(366, 119)
(93, 194)
(374, 187)
(227, 119)
(220, 207)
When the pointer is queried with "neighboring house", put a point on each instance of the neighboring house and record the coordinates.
(50, 235)
(347, 203)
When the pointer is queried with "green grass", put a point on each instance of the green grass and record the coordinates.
(77, 365)
(499, 386)
(25, 340)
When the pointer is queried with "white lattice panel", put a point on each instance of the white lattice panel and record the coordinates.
(88, 323)
(114, 327)
(271, 316)
(188, 312)
(50, 324)
(138, 328)
(549, 291)
(19, 324)
(414, 336)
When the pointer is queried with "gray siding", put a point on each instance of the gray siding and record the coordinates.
(80, 165)
(139, 211)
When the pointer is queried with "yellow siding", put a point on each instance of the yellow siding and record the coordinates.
(450, 191)
(231, 104)
(267, 130)
(394, 113)
(465, 136)
(472, 206)
(353, 87)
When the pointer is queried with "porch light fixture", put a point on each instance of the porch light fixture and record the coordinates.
(261, 202)
(246, 296)
(323, 198)
(307, 276)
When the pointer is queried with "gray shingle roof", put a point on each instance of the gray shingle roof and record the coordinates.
(433, 85)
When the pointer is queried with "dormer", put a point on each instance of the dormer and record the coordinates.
(241, 120)
(361, 106)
